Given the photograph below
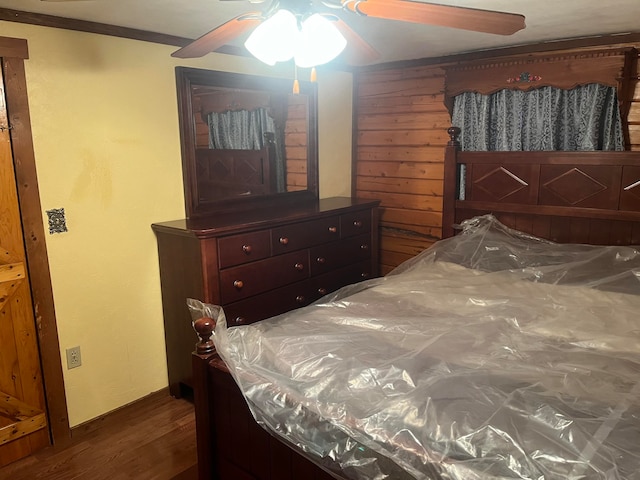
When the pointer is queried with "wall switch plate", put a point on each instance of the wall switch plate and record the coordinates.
(73, 357)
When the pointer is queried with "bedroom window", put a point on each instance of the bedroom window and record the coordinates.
(586, 117)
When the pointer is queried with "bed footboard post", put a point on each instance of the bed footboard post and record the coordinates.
(450, 190)
(202, 392)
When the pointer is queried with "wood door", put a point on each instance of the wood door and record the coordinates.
(22, 406)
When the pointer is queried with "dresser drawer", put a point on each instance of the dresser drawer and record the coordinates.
(250, 279)
(305, 234)
(271, 303)
(329, 282)
(293, 296)
(327, 257)
(355, 223)
(243, 248)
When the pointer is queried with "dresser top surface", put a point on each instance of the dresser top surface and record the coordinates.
(216, 225)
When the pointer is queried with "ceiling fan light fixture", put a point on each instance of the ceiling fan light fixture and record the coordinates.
(320, 42)
(281, 37)
(274, 40)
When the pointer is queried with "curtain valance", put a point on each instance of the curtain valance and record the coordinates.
(609, 67)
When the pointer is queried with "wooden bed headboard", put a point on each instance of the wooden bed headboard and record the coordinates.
(224, 173)
(566, 197)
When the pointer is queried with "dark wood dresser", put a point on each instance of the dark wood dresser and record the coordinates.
(259, 264)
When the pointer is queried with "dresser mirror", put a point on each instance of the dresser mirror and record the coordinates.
(247, 141)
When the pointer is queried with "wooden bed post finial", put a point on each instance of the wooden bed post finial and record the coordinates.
(453, 132)
(204, 328)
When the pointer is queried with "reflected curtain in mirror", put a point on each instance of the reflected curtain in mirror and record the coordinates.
(251, 130)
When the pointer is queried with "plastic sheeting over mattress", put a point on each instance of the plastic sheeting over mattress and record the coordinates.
(491, 355)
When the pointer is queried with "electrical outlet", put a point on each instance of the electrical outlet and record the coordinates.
(73, 357)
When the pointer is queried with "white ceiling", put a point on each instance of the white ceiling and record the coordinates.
(546, 20)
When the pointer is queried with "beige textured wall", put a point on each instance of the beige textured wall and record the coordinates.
(105, 131)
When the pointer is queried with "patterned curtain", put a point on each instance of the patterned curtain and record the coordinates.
(583, 118)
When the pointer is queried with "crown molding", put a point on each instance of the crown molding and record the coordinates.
(43, 20)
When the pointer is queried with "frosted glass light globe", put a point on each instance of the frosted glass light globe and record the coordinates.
(320, 42)
(274, 40)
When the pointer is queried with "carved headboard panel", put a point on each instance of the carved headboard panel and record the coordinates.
(580, 197)
(233, 173)
(560, 179)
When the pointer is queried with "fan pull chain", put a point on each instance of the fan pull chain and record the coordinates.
(296, 84)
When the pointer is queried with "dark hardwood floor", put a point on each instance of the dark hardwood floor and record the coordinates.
(153, 438)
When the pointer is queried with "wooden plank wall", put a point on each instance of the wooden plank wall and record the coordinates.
(296, 143)
(400, 136)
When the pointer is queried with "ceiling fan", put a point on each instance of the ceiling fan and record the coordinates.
(359, 51)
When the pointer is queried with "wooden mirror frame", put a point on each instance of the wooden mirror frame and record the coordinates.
(186, 79)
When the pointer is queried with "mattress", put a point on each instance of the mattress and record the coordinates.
(491, 355)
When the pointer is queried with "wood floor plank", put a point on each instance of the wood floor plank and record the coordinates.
(151, 439)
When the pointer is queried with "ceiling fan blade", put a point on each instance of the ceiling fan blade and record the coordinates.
(476, 20)
(357, 52)
(219, 36)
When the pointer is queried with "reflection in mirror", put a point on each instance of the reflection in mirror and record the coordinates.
(248, 142)
(244, 137)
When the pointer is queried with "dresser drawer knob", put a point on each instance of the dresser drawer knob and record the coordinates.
(364, 246)
(357, 223)
(321, 260)
(239, 321)
(246, 249)
(300, 299)
(238, 284)
(299, 267)
(322, 291)
(364, 275)
(284, 240)
(333, 229)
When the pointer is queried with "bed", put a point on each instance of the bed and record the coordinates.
(509, 350)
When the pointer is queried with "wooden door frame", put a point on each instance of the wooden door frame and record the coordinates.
(14, 52)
